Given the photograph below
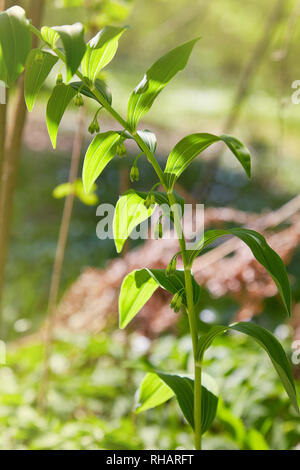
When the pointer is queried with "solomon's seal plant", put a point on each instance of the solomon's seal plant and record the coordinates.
(83, 65)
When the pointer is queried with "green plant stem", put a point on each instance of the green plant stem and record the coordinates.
(187, 270)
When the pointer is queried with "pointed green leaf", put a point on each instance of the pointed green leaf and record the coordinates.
(276, 353)
(15, 43)
(139, 285)
(187, 149)
(49, 35)
(136, 290)
(100, 85)
(130, 211)
(72, 37)
(38, 66)
(270, 344)
(155, 79)
(183, 387)
(101, 150)
(152, 392)
(100, 51)
(60, 98)
(262, 252)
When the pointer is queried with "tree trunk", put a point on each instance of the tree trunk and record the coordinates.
(12, 152)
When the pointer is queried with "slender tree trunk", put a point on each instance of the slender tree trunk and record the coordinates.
(59, 259)
(3, 110)
(12, 152)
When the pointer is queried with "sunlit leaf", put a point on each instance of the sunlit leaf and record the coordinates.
(72, 37)
(49, 35)
(152, 392)
(130, 211)
(187, 149)
(138, 287)
(100, 51)
(265, 339)
(15, 43)
(60, 98)
(155, 79)
(101, 150)
(38, 66)
(262, 252)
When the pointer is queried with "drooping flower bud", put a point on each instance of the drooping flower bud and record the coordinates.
(176, 302)
(134, 174)
(149, 201)
(79, 100)
(91, 128)
(171, 268)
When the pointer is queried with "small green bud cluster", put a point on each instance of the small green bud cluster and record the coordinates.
(171, 268)
(176, 302)
(150, 200)
(134, 173)
(94, 126)
(79, 100)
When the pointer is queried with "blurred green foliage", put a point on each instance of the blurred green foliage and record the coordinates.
(91, 396)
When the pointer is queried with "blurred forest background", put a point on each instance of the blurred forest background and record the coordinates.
(239, 81)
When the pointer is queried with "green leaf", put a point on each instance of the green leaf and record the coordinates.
(49, 35)
(38, 66)
(15, 43)
(60, 98)
(155, 79)
(152, 392)
(137, 288)
(72, 37)
(183, 387)
(100, 51)
(100, 85)
(270, 344)
(130, 211)
(100, 152)
(262, 252)
(187, 149)
(276, 353)
(256, 441)
(76, 188)
(139, 285)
